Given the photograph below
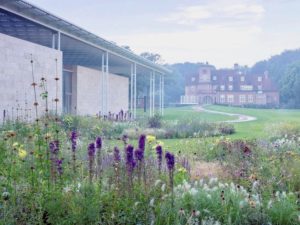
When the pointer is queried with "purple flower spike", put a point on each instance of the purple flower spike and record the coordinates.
(139, 154)
(142, 141)
(170, 160)
(54, 147)
(91, 150)
(59, 166)
(117, 156)
(73, 140)
(98, 143)
(129, 158)
(159, 153)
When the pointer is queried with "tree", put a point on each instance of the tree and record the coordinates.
(290, 86)
(154, 57)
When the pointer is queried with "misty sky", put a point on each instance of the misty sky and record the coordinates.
(221, 32)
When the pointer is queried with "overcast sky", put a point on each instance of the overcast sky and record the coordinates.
(221, 32)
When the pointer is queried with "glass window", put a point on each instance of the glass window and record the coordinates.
(230, 98)
(250, 98)
(230, 87)
(259, 79)
(242, 78)
(67, 91)
(222, 87)
(222, 99)
(242, 99)
(230, 78)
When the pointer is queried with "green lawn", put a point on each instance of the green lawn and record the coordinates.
(181, 113)
(265, 119)
(245, 130)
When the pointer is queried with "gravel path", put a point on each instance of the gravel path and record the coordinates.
(240, 117)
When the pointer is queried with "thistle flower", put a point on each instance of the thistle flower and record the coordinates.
(59, 166)
(117, 156)
(98, 143)
(159, 157)
(91, 150)
(170, 160)
(91, 154)
(99, 158)
(130, 163)
(73, 140)
(139, 154)
(170, 164)
(142, 141)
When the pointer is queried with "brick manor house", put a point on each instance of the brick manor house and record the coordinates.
(229, 87)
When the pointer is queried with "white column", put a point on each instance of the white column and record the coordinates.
(150, 94)
(160, 94)
(163, 95)
(58, 40)
(131, 88)
(135, 93)
(153, 94)
(105, 84)
(53, 41)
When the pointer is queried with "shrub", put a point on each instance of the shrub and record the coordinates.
(155, 121)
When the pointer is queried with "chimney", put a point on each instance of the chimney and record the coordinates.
(236, 66)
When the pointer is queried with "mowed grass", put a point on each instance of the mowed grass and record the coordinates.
(266, 118)
(188, 112)
(257, 129)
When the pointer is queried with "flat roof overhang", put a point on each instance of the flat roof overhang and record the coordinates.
(25, 21)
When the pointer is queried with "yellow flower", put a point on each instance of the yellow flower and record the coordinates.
(22, 153)
(182, 170)
(16, 144)
(150, 138)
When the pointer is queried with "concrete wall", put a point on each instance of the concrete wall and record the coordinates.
(88, 91)
(16, 77)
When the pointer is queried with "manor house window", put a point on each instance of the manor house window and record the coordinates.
(230, 98)
(250, 98)
(242, 99)
(242, 78)
(222, 99)
(259, 79)
(230, 87)
(222, 87)
(246, 87)
(230, 78)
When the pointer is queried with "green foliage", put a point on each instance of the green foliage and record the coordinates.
(284, 71)
(155, 121)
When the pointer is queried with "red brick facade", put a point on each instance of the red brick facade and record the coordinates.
(229, 87)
